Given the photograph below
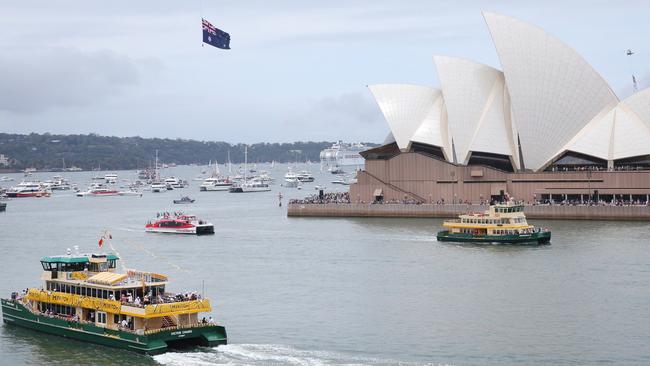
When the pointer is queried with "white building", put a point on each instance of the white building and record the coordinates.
(547, 107)
(4, 160)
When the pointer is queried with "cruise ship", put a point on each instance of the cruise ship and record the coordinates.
(342, 154)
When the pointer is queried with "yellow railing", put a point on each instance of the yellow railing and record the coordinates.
(115, 307)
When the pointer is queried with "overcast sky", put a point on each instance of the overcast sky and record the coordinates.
(297, 70)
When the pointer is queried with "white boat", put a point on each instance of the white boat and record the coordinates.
(249, 186)
(110, 178)
(291, 182)
(158, 187)
(290, 175)
(6, 179)
(175, 182)
(58, 184)
(215, 184)
(98, 190)
(28, 189)
(305, 176)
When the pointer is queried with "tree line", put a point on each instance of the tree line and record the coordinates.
(52, 152)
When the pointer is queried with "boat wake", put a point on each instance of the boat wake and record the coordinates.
(266, 354)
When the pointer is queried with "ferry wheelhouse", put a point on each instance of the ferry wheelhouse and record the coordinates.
(179, 223)
(85, 299)
(502, 223)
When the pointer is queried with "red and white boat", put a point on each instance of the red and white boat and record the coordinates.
(28, 189)
(179, 224)
(98, 190)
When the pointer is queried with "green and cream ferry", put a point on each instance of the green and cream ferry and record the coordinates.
(502, 223)
(84, 298)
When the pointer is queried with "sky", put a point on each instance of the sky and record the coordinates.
(297, 70)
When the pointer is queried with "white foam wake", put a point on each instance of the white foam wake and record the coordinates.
(267, 355)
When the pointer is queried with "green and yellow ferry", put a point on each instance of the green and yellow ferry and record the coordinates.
(85, 299)
(502, 223)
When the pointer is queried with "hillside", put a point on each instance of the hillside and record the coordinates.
(50, 152)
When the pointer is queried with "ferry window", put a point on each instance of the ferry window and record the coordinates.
(93, 292)
(111, 263)
(116, 319)
(101, 317)
(57, 287)
(83, 291)
(104, 294)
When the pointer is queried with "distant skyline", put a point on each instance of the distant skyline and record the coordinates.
(297, 71)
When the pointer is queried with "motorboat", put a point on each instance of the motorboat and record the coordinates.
(215, 184)
(58, 184)
(184, 200)
(99, 190)
(28, 189)
(305, 176)
(179, 224)
(175, 182)
(110, 178)
(250, 186)
(158, 187)
(291, 182)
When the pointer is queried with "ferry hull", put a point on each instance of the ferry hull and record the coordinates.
(14, 313)
(534, 238)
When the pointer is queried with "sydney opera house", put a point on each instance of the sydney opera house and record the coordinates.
(545, 127)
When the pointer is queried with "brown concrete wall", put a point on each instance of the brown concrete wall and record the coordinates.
(633, 213)
(433, 180)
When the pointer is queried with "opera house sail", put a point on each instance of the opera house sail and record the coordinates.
(546, 126)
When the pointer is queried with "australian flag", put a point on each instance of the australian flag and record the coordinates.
(214, 36)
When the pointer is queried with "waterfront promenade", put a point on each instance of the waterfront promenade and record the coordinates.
(564, 212)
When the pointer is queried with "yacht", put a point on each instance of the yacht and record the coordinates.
(250, 186)
(290, 175)
(215, 184)
(28, 189)
(99, 190)
(158, 187)
(305, 176)
(110, 178)
(175, 182)
(291, 182)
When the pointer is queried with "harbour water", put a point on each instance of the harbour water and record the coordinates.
(309, 291)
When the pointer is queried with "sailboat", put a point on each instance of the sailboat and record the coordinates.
(249, 186)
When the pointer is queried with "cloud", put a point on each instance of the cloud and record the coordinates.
(36, 80)
(351, 115)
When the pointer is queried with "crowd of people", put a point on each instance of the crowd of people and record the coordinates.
(128, 299)
(333, 197)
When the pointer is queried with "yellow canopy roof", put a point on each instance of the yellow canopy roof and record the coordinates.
(107, 278)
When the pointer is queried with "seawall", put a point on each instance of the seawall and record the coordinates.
(622, 213)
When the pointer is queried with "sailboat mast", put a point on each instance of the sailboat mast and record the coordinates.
(245, 161)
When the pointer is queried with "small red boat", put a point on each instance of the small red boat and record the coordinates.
(179, 224)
